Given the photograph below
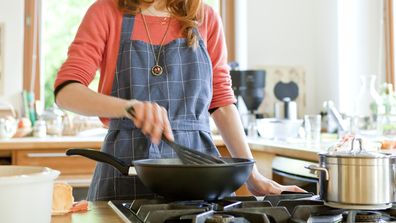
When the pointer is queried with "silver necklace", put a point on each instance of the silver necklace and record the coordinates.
(157, 69)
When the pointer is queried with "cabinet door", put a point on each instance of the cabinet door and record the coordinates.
(55, 159)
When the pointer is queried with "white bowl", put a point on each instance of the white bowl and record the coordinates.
(26, 193)
(282, 129)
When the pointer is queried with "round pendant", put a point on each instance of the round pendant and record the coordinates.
(156, 70)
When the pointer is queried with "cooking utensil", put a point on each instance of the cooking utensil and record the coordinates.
(249, 84)
(356, 179)
(26, 193)
(286, 90)
(286, 109)
(281, 129)
(175, 180)
(186, 155)
(190, 156)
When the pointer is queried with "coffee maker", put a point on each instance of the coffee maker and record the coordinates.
(248, 86)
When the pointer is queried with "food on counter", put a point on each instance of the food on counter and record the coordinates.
(24, 123)
(388, 144)
(62, 199)
(79, 206)
(24, 128)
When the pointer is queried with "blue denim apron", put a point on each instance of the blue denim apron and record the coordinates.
(184, 89)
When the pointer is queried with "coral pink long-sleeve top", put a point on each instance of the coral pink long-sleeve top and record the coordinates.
(97, 42)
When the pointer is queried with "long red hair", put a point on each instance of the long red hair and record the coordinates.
(188, 12)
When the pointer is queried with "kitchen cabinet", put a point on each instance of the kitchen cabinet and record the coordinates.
(55, 159)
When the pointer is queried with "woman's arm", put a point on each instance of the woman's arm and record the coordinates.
(231, 129)
(80, 99)
(150, 117)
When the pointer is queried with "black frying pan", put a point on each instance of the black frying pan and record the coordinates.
(172, 179)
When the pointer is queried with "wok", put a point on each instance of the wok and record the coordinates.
(174, 180)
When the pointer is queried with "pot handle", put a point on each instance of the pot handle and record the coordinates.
(314, 168)
(105, 158)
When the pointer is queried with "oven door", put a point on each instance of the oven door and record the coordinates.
(289, 171)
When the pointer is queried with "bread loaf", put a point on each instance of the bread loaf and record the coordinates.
(62, 199)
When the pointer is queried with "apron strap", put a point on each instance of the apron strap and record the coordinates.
(127, 27)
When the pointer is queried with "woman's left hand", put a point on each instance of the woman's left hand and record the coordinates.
(260, 185)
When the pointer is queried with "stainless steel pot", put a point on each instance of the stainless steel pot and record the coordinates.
(364, 180)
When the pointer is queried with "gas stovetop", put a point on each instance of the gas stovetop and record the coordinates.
(285, 208)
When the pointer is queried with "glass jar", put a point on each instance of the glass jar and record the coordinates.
(387, 119)
(53, 118)
(39, 129)
(367, 106)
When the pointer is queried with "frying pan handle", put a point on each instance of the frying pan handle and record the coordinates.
(102, 157)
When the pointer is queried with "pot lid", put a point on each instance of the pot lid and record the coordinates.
(351, 146)
(364, 154)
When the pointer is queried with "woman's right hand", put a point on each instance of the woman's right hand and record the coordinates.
(152, 119)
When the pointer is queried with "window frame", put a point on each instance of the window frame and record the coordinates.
(32, 52)
(389, 42)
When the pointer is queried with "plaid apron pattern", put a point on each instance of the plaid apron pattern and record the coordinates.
(184, 89)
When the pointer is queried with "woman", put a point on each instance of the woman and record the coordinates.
(167, 59)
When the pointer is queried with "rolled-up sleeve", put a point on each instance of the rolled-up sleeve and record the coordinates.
(86, 51)
(222, 90)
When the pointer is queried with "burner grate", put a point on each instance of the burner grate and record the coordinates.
(270, 209)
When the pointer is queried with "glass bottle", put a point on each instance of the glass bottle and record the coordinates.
(367, 106)
(387, 119)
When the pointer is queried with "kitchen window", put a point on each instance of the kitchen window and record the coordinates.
(50, 27)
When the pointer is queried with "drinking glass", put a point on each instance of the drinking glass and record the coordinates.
(312, 126)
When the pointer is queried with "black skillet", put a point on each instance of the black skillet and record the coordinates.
(174, 180)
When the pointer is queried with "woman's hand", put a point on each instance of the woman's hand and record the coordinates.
(152, 119)
(260, 185)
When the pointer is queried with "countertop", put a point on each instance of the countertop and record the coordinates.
(99, 211)
(59, 142)
(294, 149)
(51, 142)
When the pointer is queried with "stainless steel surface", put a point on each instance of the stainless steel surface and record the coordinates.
(335, 115)
(360, 184)
(357, 181)
(45, 155)
(315, 168)
(289, 171)
(293, 166)
(287, 109)
(359, 207)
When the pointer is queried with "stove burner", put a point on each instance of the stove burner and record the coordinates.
(191, 205)
(220, 218)
(392, 211)
(366, 216)
(281, 209)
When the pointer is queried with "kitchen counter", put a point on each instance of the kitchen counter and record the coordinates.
(295, 148)
(51, 142)
(99, 211)
(65, 142)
